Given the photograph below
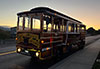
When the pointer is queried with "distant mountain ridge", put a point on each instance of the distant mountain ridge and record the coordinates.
(5, 28)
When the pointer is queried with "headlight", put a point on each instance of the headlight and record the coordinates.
(19, 49)
(37, 54)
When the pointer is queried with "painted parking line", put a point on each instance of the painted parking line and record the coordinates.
(6, 53)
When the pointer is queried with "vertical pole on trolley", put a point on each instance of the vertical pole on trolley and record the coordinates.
(18, 23)
(31, 23)
(41, 21)
(67, 31)
(23, 23)
(63, 25)
(51, 39)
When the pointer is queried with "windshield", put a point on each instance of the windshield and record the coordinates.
(36, 23)
(25, 23)
(20, 23)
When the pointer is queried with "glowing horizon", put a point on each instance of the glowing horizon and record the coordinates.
(14, 23)
(86, 11)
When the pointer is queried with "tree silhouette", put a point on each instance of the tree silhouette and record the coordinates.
(4, 34)
(91, 31)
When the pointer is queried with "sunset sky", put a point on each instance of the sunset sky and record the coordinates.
(86, 11)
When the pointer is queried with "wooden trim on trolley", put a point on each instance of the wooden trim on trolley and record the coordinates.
(53, 42)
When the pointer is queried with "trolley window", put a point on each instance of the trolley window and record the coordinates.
(21, 23)
(27, 23)
(36, 24)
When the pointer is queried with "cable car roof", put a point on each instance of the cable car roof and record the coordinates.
(47, 10)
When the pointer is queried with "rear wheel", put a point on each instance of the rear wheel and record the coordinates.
(59, 53)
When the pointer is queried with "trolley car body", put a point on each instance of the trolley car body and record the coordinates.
(44, 33)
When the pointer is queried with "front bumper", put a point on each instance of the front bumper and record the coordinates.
(28, 52)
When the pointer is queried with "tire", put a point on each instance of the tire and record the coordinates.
(59, 53)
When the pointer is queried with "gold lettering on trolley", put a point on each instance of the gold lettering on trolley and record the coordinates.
(33, 38)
